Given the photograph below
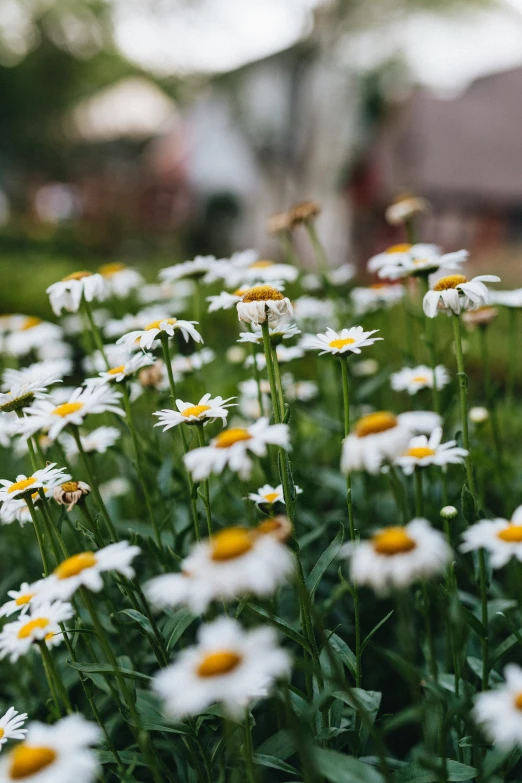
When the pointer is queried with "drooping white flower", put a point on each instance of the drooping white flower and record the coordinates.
(232, 448)
(261, 303)
(67, 294)
(346, 341)
(54, 754)
(146, 337)
(395, 557)
(399, 255)
(11, 726)
(228, 665)
(405, 207)
(422, 452)
(413, 379)
(41, 623)
(499, 711)
(455, 293)
(206, 410)
(501, 538)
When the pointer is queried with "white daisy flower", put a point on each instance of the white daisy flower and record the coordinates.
(501, 538)
(98, 440)
(369, 299)
(232, 446)
(405, 207)
(413, 379)
(303, 391)
(206, 410)
(420, 422)
(41, 623)
(261, 303)
(22, 392)
(54, 349)
(225, 300)
(16, 511)
(47, 478)
(54, 368)
(422, 452)
(20, 600)
(67, 294)
(74, 324)
(376, 438)
(478, 414)
(31, 335)
(347, 341)
(122, 371)
(455, 293)
(115, 327)
(54, 754)
(229, 268)
(85, 569)
(311, 309)
(187, 364)
(499, 712)
(195, 269)
(263, 271)
(341, 274)
(395, 557)
(277, 333)
(120, 280)
(399, 255)
(235, 562)
(11, 725)
(228, 665)
(115, 488)
(506, 298)
(45, 415)
(268, 495)
(146, 337)
(402, 261)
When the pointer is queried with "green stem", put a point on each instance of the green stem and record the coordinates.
(257, 376)
(490, 397)
(206, 485)
(39, 534)
(95, 331)
(463, 392)
(93, 482)
(419, 495)
(49, 677)
(513, 355)
(320, 255)
(249, 750)
(51, 668)
(265, 330)
(432, 349)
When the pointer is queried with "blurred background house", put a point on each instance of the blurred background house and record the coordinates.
(137, 128)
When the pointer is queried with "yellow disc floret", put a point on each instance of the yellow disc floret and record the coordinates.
(230, 543)
(218, 663)
(261, 264)
(401, 248)
(374, 423)
(116, 370)
(512, 534)
(75, 565)
(29, 760)
(517, 701)
(262, 293)
(341, 342)
(22, 600)
(392, 541)
(66, 408)
(19, 486)
(76, 276)
(30, 322)
(108, 270)
(26, 630)
(419, 452)
(156, 324)
(450, 281)
(233, 435)
(195, 410)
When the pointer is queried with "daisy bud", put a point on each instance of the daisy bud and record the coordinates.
(70, 493)
(405, 207)
(449, 512)
(478, 415)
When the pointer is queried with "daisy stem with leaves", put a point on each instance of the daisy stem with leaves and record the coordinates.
(351, 524)
(205, 494)
(39, 534)
(54, 679)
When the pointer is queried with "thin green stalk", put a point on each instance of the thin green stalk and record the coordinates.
(513, 355)
(432, 349)
(490, 397)
(249, 750)
(257, 376)
(39, 534)
(399, 494)
(51, 668)
(93, 482)
(95, 331)
(419, 494)
(320, 255)
(49, 677)
(205, 484)
(267, 345)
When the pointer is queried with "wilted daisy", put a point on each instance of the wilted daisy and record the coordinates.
(98, 440)
(404, 207)
(52, 419)
(206, 410)
(347, 341)
(11, 725)
(423, 451)
(23, 393)
(268, 495)
(501, 538)
(120, 280)
(228, 665)
(20, 600)
(166, 326)
(236, 561)
(454, 293)
(261, 303)
(375, 439)
(413, 379)
(70, 493)
(85, 569)
(67, 294)
(232, 447)
(47, 478)
(395, 557)
(122, 371)
(31, 335)
(369, 299)
(277, 333)
(41, 623)
(54, 754)
(499, 712)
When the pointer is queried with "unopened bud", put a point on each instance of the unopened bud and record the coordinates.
(449, 512)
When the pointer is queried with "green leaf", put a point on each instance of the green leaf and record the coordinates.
(274, 763)
(338, 768)
(414, 773)
(178, 625)
(107, 668)
(128, 758)
(473, 622)
(281, 625)
(139, 618)
(469, 508)
(281, 745)
(375, 629)
(324, 561)
(343, 652)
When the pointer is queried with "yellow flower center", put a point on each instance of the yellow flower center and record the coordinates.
(218, 663)
(28, 760)
(108, 270)
(31, 321)
(262, 293)
(450, 281)
(341, 342)
(401, 248)
(75, 565)
(271, 497)
(512, 534)
(69, 486)
(240, 291)
(66, 408)
(261, 264)
(22, 600)
(195, 410)
(116, 370)
(156, 324)
(27, 629)
(230, 543)
(21, 485)
(2, 732)
(233, 435)
(374, 423)
(517, 701)
(76, 276)
(392, 541)
(419, 452)
(420, 379)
